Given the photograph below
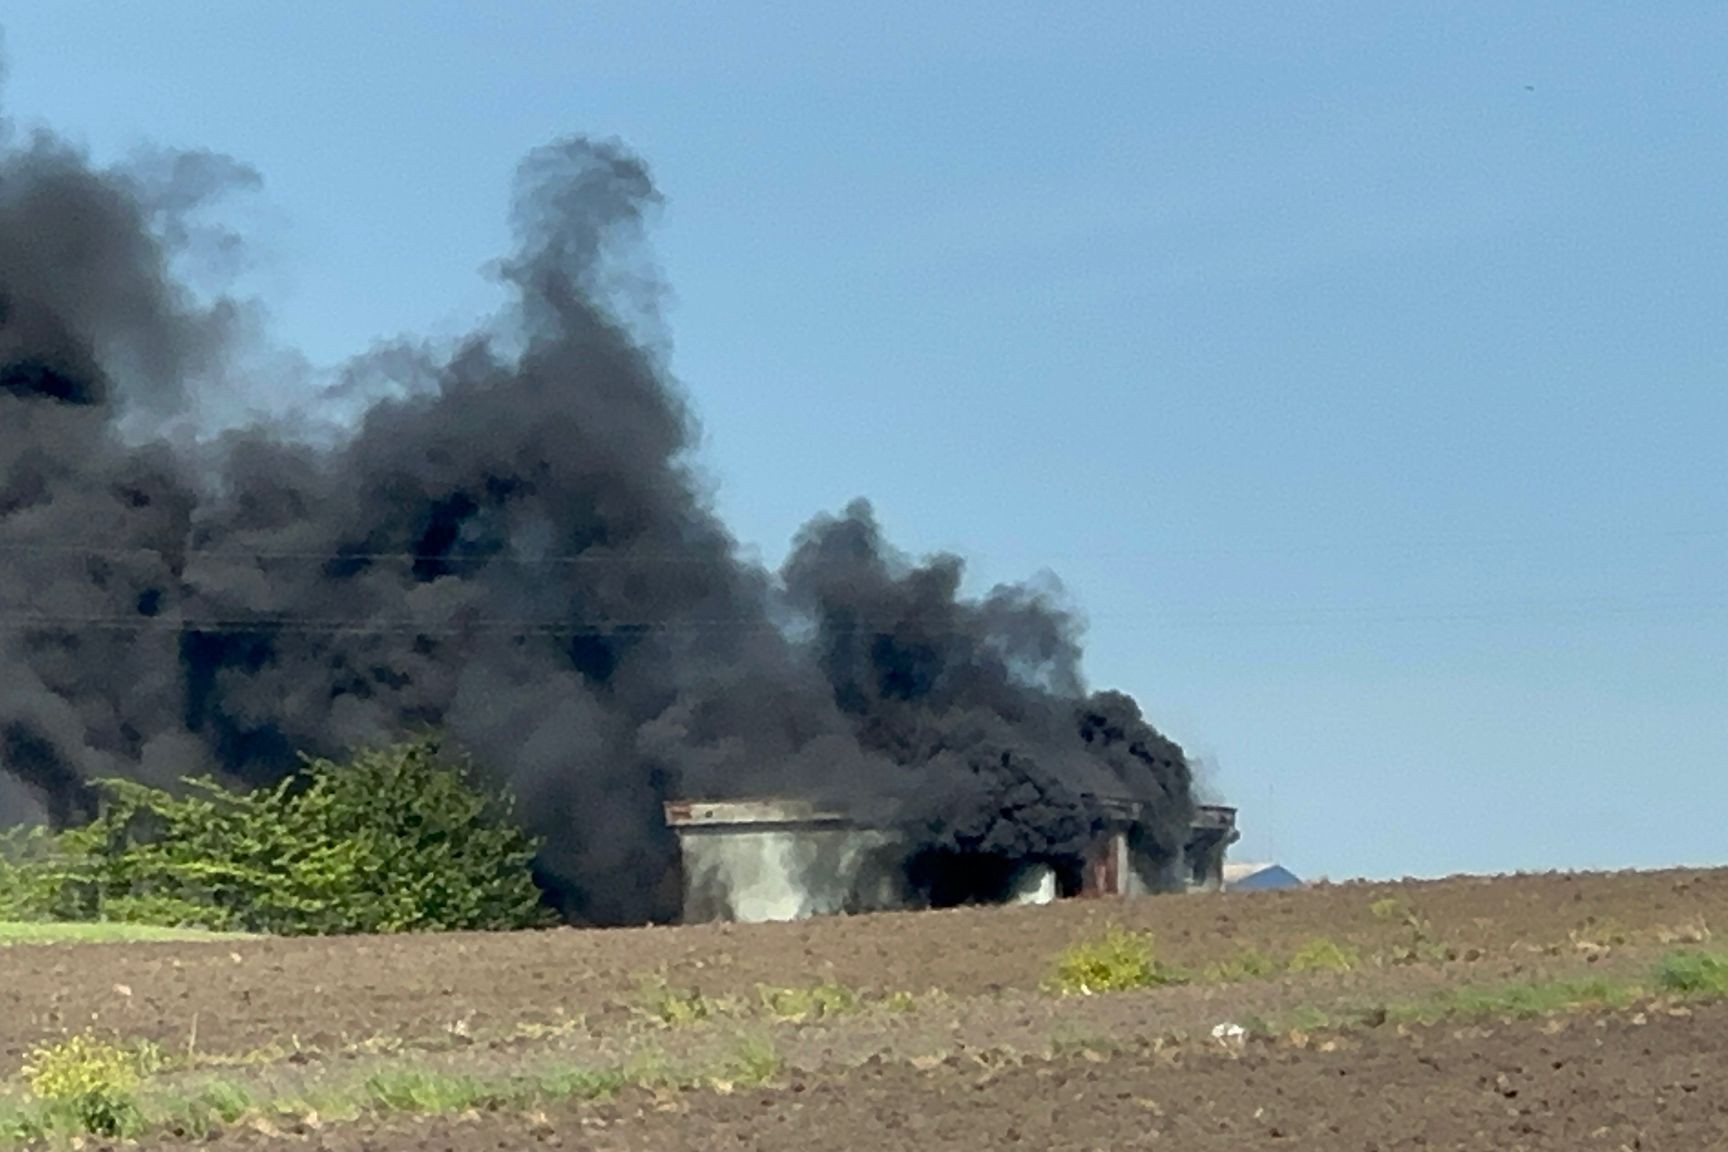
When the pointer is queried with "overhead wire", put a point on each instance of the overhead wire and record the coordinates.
(748, 624)
(25, 619)
(601, 553)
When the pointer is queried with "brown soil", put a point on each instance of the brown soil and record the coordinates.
(1646, 1080)
(326, 994)
(1009, 1026)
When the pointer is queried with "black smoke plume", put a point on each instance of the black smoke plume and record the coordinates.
(508, 542)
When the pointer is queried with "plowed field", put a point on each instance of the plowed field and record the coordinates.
(979, 1055)
(1626, 1082)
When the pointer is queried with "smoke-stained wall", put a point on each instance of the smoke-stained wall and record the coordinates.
(506, 542)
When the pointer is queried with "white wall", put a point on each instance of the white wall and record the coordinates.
(783, 873)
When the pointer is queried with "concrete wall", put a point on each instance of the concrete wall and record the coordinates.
(763, 860)
(755, 873)
(1036, 886)
(1148, 873)
(786, 872)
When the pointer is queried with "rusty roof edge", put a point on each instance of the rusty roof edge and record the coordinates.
(764, 810)
(698, 813)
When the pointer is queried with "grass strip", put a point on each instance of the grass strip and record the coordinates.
(65, 932)
(201, 1110)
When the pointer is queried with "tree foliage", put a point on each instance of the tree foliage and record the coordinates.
(397, 839)
(29, 866)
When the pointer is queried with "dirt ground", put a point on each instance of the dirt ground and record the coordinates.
(971, 1065)
(327, 994)
(1627, 1081)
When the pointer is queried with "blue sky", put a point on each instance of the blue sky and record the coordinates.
(1360, 368)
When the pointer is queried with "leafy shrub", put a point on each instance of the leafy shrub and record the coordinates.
(1324, 955)
(88, 1084)
(398, 839)
(219, 1102)
(756, 1061)
(1693, 974)
(1390, 908)
(817, 1002)
(31, 868)
(1116, 961)
(681, 1007)
(421, 1091)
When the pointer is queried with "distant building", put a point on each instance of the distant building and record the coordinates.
(753, 860)
(1259, 877)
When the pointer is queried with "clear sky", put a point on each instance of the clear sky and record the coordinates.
(1362, 369)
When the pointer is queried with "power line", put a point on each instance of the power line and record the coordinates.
(1337, 617)
(601, 554)
(111, 551)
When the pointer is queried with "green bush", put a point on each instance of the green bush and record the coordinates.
(1116, 961)
(88, 1085)
(398, 839)
(1693, 974)
(29, 871)
(1324, 955)
(817, 1002)
(681, 1007)
(1391, 908)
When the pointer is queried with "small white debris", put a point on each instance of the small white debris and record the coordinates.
(1229, 1033)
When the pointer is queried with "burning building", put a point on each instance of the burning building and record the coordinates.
(758, 860)
(507, 539)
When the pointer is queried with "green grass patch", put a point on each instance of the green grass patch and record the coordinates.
(817, 1002)
(216, 1103)
(1325, 955)
(1249, 964)
(51, 932)
(85, 1084)
(1516, 1001)
(1318, 955)
(677, 1007)
(1535, 999)
(1305, 1019)
(1116, 961)
(1391, 908)
(428, 1092)
(197, 1114)
(424, 1092)
(753, 1063)
(1692, 973)
(128, 1106)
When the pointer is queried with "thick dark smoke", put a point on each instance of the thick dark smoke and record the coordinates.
(509, 543)
(985, 699)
